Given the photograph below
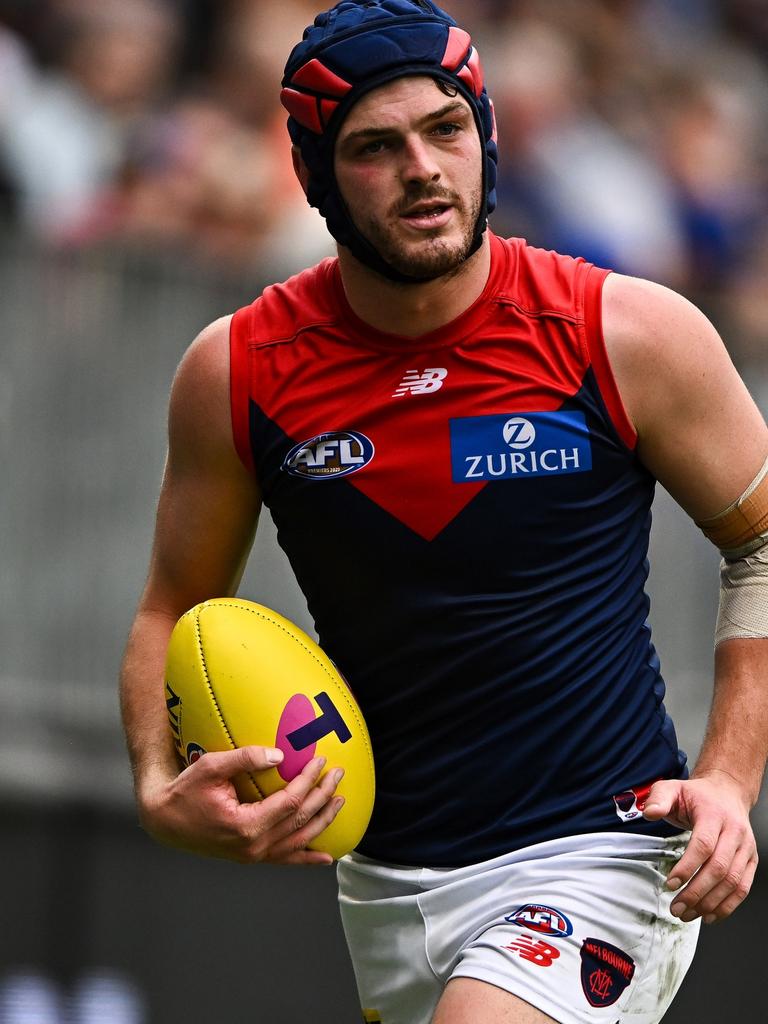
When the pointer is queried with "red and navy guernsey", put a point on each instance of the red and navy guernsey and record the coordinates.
(467, 517)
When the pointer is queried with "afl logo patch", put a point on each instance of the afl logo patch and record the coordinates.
(194, 752)
(334, 454)
(541, 919)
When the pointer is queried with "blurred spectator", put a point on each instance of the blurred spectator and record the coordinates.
(592, 191)
(633, 132)
(65, 132)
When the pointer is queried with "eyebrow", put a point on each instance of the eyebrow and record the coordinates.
(450, 108)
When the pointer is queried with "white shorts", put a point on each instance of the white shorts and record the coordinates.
(578, 927)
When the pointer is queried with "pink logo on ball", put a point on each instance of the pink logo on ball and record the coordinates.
(297, 712)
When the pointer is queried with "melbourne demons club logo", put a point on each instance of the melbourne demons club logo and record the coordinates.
(605, 972)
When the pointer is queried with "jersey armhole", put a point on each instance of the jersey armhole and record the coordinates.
(239, 379)
(598, 356)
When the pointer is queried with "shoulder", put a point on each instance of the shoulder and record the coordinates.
(699, 431)
(199, 405)
(652, 317)
(206, 361)
(654, 335)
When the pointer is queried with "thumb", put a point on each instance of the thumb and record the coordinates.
(661, 799)
(225, 764)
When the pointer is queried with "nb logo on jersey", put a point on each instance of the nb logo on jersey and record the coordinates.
(421, 382)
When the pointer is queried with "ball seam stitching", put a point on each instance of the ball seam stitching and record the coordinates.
(215, 703)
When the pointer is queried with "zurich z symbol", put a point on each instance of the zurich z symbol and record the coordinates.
(545, 920)
(421, 382)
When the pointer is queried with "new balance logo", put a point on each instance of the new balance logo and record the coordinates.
(421, 382)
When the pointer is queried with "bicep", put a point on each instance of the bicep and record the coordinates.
(699, 431)
(209, 503)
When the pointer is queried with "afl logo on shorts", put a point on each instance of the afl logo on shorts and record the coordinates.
(540, 919)
(337, 453)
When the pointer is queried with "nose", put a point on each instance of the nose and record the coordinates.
(419, 161)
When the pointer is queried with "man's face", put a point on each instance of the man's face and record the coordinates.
(408, 162)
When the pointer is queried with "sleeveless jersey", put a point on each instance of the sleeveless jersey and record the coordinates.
(468, 520)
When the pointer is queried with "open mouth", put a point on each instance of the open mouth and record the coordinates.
(428, 215)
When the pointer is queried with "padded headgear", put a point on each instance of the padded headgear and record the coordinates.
(353, 48)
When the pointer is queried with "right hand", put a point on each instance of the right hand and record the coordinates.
(199, 810)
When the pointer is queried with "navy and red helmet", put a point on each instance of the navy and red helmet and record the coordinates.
(353, 48)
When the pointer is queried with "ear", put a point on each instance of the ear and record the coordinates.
(300, 168)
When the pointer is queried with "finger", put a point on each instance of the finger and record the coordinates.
(285, 803)
(661, 799)
(226, 764)
(700, 848)
(313, 803)
(738, 895)
(714, 869)
(730, 882)
(298, 841)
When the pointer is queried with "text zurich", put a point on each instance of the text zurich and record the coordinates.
(499, 464)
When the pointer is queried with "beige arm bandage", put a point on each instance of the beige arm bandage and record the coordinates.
(743, 608)
(741, 533)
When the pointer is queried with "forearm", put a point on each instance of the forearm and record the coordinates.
(145, 717)
(736, 740)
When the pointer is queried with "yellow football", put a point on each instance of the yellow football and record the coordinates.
(238, 674)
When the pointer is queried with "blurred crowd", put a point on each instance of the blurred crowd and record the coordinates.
(633, 132)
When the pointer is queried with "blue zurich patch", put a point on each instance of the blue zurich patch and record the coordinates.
(514, 446)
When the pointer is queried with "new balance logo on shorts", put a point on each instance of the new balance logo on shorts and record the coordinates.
(421, 382)
(535, 951)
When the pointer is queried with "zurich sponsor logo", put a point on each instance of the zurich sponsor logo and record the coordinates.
(334, 454)
(517, 446)
(544, 920)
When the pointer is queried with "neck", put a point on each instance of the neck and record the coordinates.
(413, 309)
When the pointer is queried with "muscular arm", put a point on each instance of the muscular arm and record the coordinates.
(206, 520)
(701, 435)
